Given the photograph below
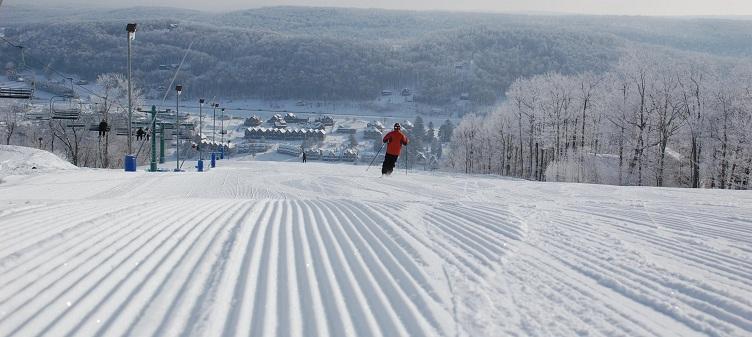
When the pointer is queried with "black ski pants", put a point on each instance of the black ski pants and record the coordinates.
(389, 161)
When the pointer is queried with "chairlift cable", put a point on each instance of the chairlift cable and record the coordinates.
(167, 91)
(59, 73)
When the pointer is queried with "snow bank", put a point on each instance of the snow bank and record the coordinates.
(19, 160)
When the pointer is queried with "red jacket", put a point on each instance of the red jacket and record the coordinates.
(395, 139)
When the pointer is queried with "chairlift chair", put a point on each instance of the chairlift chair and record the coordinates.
(16, 93)
(63, 114)
(35, 114)
(95, 128)
(75, 124)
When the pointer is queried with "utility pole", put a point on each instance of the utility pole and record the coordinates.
(178, 89)
(222, 134)
(214, 123)
(200, 128)
(200, 165)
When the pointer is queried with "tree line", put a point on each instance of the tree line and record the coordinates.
(656, 119)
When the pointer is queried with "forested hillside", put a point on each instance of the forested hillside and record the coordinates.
(324, 53)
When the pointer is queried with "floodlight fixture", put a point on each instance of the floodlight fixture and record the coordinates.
(131, 29)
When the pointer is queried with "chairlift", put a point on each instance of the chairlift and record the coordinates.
(73, 125)
(95, 128)
(122, 131)
(63, 114)
(16, 93)
(35, 114)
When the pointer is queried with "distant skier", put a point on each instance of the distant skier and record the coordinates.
(140, 134)
(102, 128)
(395, 140)
(304, 157)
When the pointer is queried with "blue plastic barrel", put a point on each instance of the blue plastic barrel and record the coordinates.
(214, 160)
(130, 163)
(200, 166)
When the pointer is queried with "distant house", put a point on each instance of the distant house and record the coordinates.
(347, 130)
(275, 118)
(292, 118)
(372, 133)
(254, 147)
(330, 156)
(290, 149)
(280, 125)
(325, 120)
(284, 134)
(406, 92)
(387, 93)
(253, 121)
(465, 96)
(313, 154)
(313, 125)
(350, 155)
(376, 124)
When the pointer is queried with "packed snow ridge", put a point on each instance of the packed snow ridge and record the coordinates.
(19, 160)
(289, 249)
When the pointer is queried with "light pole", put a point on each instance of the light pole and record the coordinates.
(222, 134)
(214, 134)
(130, 160)
(179, 89)
(214, 123)
(200, 128)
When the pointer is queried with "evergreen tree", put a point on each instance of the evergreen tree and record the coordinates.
(445, 131)
(430, 134)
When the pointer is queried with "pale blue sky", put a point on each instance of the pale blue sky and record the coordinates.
(620, 7)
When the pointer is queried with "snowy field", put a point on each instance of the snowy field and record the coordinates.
(257, 248)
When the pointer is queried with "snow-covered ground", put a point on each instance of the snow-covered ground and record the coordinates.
(19, 161)
(256, 248)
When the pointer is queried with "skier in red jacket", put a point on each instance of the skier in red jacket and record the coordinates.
(394, 139)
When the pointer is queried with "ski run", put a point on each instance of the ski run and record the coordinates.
(256, 248)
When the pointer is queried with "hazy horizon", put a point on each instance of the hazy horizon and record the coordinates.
(593, 7)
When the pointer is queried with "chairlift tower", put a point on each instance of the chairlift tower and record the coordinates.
(153, 164)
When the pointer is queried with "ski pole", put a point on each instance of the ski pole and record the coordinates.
(406, 155)
(374, 157)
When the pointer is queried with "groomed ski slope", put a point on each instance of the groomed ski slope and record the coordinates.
(287, 249)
